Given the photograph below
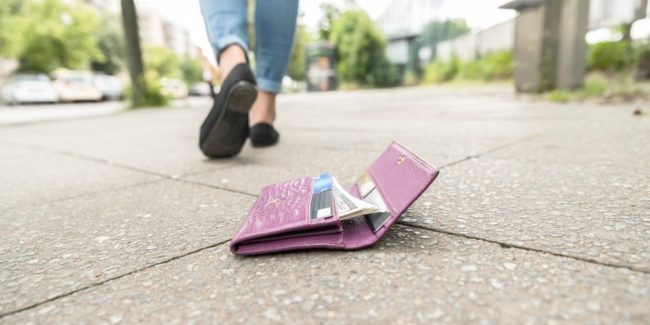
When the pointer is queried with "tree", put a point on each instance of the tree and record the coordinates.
(297, 63)
(330, 14)
(134, 53)
(360, 50)
(640, 11)
(191, 69)
(439, 31)
(10, 25)
(161, 60)
(110, 41)
(57, 34)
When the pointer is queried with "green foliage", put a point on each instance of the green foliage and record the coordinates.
(441, 71)
(620, 87)
(152, 96)
(10, 25)
(250, 24)
(493, 66)
(594, 87)
(330, 14)
(57, 34)
(360, 51)
(167, 64)
(191, 70)
(161, 60)
(385, 74)
(610, 56)
(498, 65)
(558, 96)
(472, 70)
(110, 41)
(439, 31)
(297, 63)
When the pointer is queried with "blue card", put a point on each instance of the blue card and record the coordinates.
(322, 183)
(321, 203)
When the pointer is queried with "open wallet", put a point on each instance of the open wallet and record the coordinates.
(306, 213)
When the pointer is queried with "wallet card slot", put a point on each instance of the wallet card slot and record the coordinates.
(333, 229)
(283, 210)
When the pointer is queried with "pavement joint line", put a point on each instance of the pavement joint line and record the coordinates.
(456, 162)
(81, 195)
(97, 284)
(489, 151)
(102, 161)
(202, 172)
(509, 144)
(506, 245)
(91, 159)
(215, 187)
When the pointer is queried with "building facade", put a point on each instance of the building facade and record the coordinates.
(155, 29)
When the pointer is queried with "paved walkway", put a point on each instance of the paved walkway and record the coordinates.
(541, 214)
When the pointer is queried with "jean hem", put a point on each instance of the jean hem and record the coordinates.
(223, 42)
(269, 85)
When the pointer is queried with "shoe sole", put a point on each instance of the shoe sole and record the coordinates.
(228, 135)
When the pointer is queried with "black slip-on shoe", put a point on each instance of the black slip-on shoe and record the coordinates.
(225, 129)
(263, 135)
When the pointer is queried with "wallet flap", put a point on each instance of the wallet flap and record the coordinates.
(401, 176)
(283, 209)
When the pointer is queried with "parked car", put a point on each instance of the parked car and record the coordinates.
(29, 88)
(111, 87)
(200, 89)
(173, 88)
(75, 86)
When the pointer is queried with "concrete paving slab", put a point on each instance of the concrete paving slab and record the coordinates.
(581, 210)
(251, 177)
(411, 276)
(158, 141)
(579, 188)
(31, 176)
(49, 250)
(614, 138)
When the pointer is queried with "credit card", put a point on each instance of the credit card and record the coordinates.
(322, 183)
(321, 200)
(378, 219)
(365, 184)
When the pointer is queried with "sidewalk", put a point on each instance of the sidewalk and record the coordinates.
(541, 214)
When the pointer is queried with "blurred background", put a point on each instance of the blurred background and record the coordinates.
(58, 52)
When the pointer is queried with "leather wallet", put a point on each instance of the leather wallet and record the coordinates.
(280, 219)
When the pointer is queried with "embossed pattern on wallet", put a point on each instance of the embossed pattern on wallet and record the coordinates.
(280, 218)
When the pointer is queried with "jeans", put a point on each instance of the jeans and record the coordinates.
(275, 25)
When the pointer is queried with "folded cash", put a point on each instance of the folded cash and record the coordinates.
(348, 206)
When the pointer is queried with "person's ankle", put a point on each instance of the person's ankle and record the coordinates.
(263, 110)
(229, 58)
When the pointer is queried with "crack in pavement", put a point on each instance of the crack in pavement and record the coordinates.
(506, 245)
(489, 151)
(99, 283)
(81, 195)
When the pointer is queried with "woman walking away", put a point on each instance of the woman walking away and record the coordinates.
(245, 106)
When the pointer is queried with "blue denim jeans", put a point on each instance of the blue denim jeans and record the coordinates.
(275, 25)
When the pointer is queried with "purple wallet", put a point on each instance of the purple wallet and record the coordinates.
(280, 218)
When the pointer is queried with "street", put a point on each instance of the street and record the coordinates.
(21, 114)
(541, 214)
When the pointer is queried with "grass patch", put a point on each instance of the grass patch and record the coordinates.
(152, 96)
(558, 96)
(598, 86)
